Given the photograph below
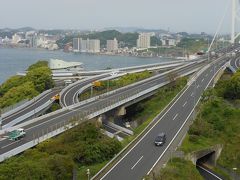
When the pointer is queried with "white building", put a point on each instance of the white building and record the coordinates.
(144, 40)
(93, 45)
(76, 45)
(16, 38)
(89, 45)
(169, 42)
(112, 45)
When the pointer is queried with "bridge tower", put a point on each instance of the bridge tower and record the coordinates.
(235, 17)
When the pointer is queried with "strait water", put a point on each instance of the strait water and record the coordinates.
(17, 60)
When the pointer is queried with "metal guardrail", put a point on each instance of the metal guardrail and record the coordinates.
(9, 108)
(70, 123)
(4, 115)
(29, 114)
(120, 154)
(7, 128)
(128, 86)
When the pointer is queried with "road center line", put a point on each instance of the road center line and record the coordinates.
(175, 117)
(184, 104)
(137, 162)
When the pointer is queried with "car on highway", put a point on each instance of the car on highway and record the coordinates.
(160, 139)
(17, 134)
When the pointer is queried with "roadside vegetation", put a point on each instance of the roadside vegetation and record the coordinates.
(18, 88)
(179, 169)
(109, 85)
(217, 122)
(64, 156)
(83, 147)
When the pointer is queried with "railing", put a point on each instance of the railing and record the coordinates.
(76, 119)
(29, 114)
(6, 114)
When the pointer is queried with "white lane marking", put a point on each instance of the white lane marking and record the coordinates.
(9, 144)
(192, 94)
(181, 126)
(206, 75)
(147, 132)
(209, 172)
(198, 86)
(175, 117)
(27, 107)
(202, 79)
(184, 104)
(137, 163)
(211, 70)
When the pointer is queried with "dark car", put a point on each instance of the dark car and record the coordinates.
(160, 139)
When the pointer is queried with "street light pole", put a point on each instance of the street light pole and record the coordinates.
(88, 174)
(0, 119)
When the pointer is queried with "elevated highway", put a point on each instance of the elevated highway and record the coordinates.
(48, 125)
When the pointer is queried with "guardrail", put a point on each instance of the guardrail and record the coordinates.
(129, 86)
(29, 114)
(130, 145)
(25, 104)
(73, 121)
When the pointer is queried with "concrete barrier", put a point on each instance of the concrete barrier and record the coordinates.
(25, 104)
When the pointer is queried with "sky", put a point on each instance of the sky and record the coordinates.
(178, 15)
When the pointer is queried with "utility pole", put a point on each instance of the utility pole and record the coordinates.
(233, 21)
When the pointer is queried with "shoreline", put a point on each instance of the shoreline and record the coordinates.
(92, 54)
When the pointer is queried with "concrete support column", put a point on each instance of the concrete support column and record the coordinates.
(121, 111)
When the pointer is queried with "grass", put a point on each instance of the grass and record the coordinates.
(151, 108)
(179, 169)
(110, 85)
(82, 170)
(217, 122)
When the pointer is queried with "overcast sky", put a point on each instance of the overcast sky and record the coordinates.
(178, 15)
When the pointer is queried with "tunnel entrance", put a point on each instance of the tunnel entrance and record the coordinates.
(204, 164)
(206, 160)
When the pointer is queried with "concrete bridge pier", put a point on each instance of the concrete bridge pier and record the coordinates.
(121, 111)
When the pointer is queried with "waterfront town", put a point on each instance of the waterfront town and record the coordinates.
(141, 43)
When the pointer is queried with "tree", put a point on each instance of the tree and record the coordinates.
(17, 94)
(13, 81)
(41, 78)
(38, 65)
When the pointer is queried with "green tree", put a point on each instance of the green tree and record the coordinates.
(41, 78)
(17, 94)
(13, 81)
(38, 65)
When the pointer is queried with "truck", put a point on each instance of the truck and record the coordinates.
(17, 134)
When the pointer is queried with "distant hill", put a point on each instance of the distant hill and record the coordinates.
(23, 29)
(134, 29)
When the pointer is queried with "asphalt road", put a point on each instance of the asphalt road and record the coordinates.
(208, 174)
(235, 63)
(143, 156)
(50, 123)
(68, 97)
(30, 108)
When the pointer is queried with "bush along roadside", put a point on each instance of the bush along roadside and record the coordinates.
(217, 122)
(63, 157)
(18, 88)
